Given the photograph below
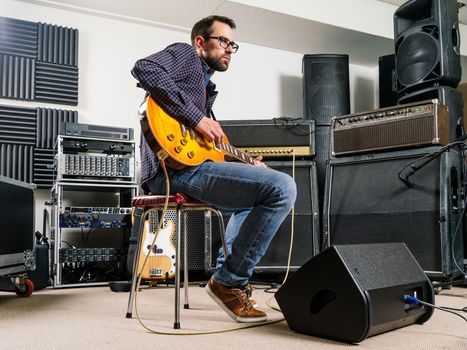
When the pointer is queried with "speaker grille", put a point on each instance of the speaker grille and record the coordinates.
(326, 87)
(198, 234)
(417, 59)
(396, 134)
(369, 204)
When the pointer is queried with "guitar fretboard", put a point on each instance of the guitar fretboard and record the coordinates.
(242, 156)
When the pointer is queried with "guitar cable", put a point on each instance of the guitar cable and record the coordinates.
(289, 257)
(162, 156)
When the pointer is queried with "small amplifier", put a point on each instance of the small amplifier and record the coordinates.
(272, 138)
(405, 126)
(97, 131)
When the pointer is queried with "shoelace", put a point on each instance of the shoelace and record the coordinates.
(249, 291)
(246, 293)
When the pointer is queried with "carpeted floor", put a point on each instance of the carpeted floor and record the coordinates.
(94, 318)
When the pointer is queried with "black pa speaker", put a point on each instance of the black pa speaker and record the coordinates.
(326, 91)
(367, 202)
(350, 292)
(388, 95)
(306, 223)
(450, 97)
(427, 44)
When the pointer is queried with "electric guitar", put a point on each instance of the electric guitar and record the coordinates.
(183, 146)
(161, 260)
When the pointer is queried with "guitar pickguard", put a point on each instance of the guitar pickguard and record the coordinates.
(161, 258)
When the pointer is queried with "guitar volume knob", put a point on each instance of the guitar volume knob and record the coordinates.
(191, 154)
(171, 137)
(178, 149)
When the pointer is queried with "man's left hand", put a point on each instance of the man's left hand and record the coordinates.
(258, 162)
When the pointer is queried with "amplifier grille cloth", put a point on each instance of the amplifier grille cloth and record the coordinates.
(405, 132)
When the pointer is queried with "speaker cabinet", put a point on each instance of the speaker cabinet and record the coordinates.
(388, 95)
(447, 96)
(350, 292)
(427, 44)
(306, 224)
(326, 91)
(366, 202)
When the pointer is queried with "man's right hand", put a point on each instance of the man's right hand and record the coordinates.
(211, 129)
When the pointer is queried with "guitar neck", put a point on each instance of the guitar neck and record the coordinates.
(237, 154)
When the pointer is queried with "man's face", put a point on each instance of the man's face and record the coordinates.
(217, 57)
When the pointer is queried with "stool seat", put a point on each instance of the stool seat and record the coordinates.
(157, 200)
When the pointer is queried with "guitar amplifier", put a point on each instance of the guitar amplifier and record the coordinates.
(272, 138)
(405, 126)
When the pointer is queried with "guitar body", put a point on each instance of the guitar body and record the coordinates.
(185, 146)
(161, 260)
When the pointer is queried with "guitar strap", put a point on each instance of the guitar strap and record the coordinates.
(133, 242)
(212, 115)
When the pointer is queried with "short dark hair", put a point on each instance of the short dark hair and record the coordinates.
(203, 27)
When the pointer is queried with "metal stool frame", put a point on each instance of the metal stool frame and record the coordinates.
(182, 204)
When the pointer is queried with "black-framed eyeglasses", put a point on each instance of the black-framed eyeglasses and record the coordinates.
(224, 42)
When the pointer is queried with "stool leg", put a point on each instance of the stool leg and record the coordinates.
(177, 272)
(222, 232)
(185, 258)
(129, 310)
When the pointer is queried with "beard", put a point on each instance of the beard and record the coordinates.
(216, 64)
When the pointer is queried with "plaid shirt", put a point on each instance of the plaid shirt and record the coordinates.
(175, 79)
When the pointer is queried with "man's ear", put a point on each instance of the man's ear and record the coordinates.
(199, 42)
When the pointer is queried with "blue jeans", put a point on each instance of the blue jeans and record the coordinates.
(259, 198)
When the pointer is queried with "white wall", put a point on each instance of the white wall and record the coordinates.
(261, 83)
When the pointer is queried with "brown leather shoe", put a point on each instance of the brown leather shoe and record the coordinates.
(235, 302)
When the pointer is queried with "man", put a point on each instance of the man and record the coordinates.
(178, 79)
